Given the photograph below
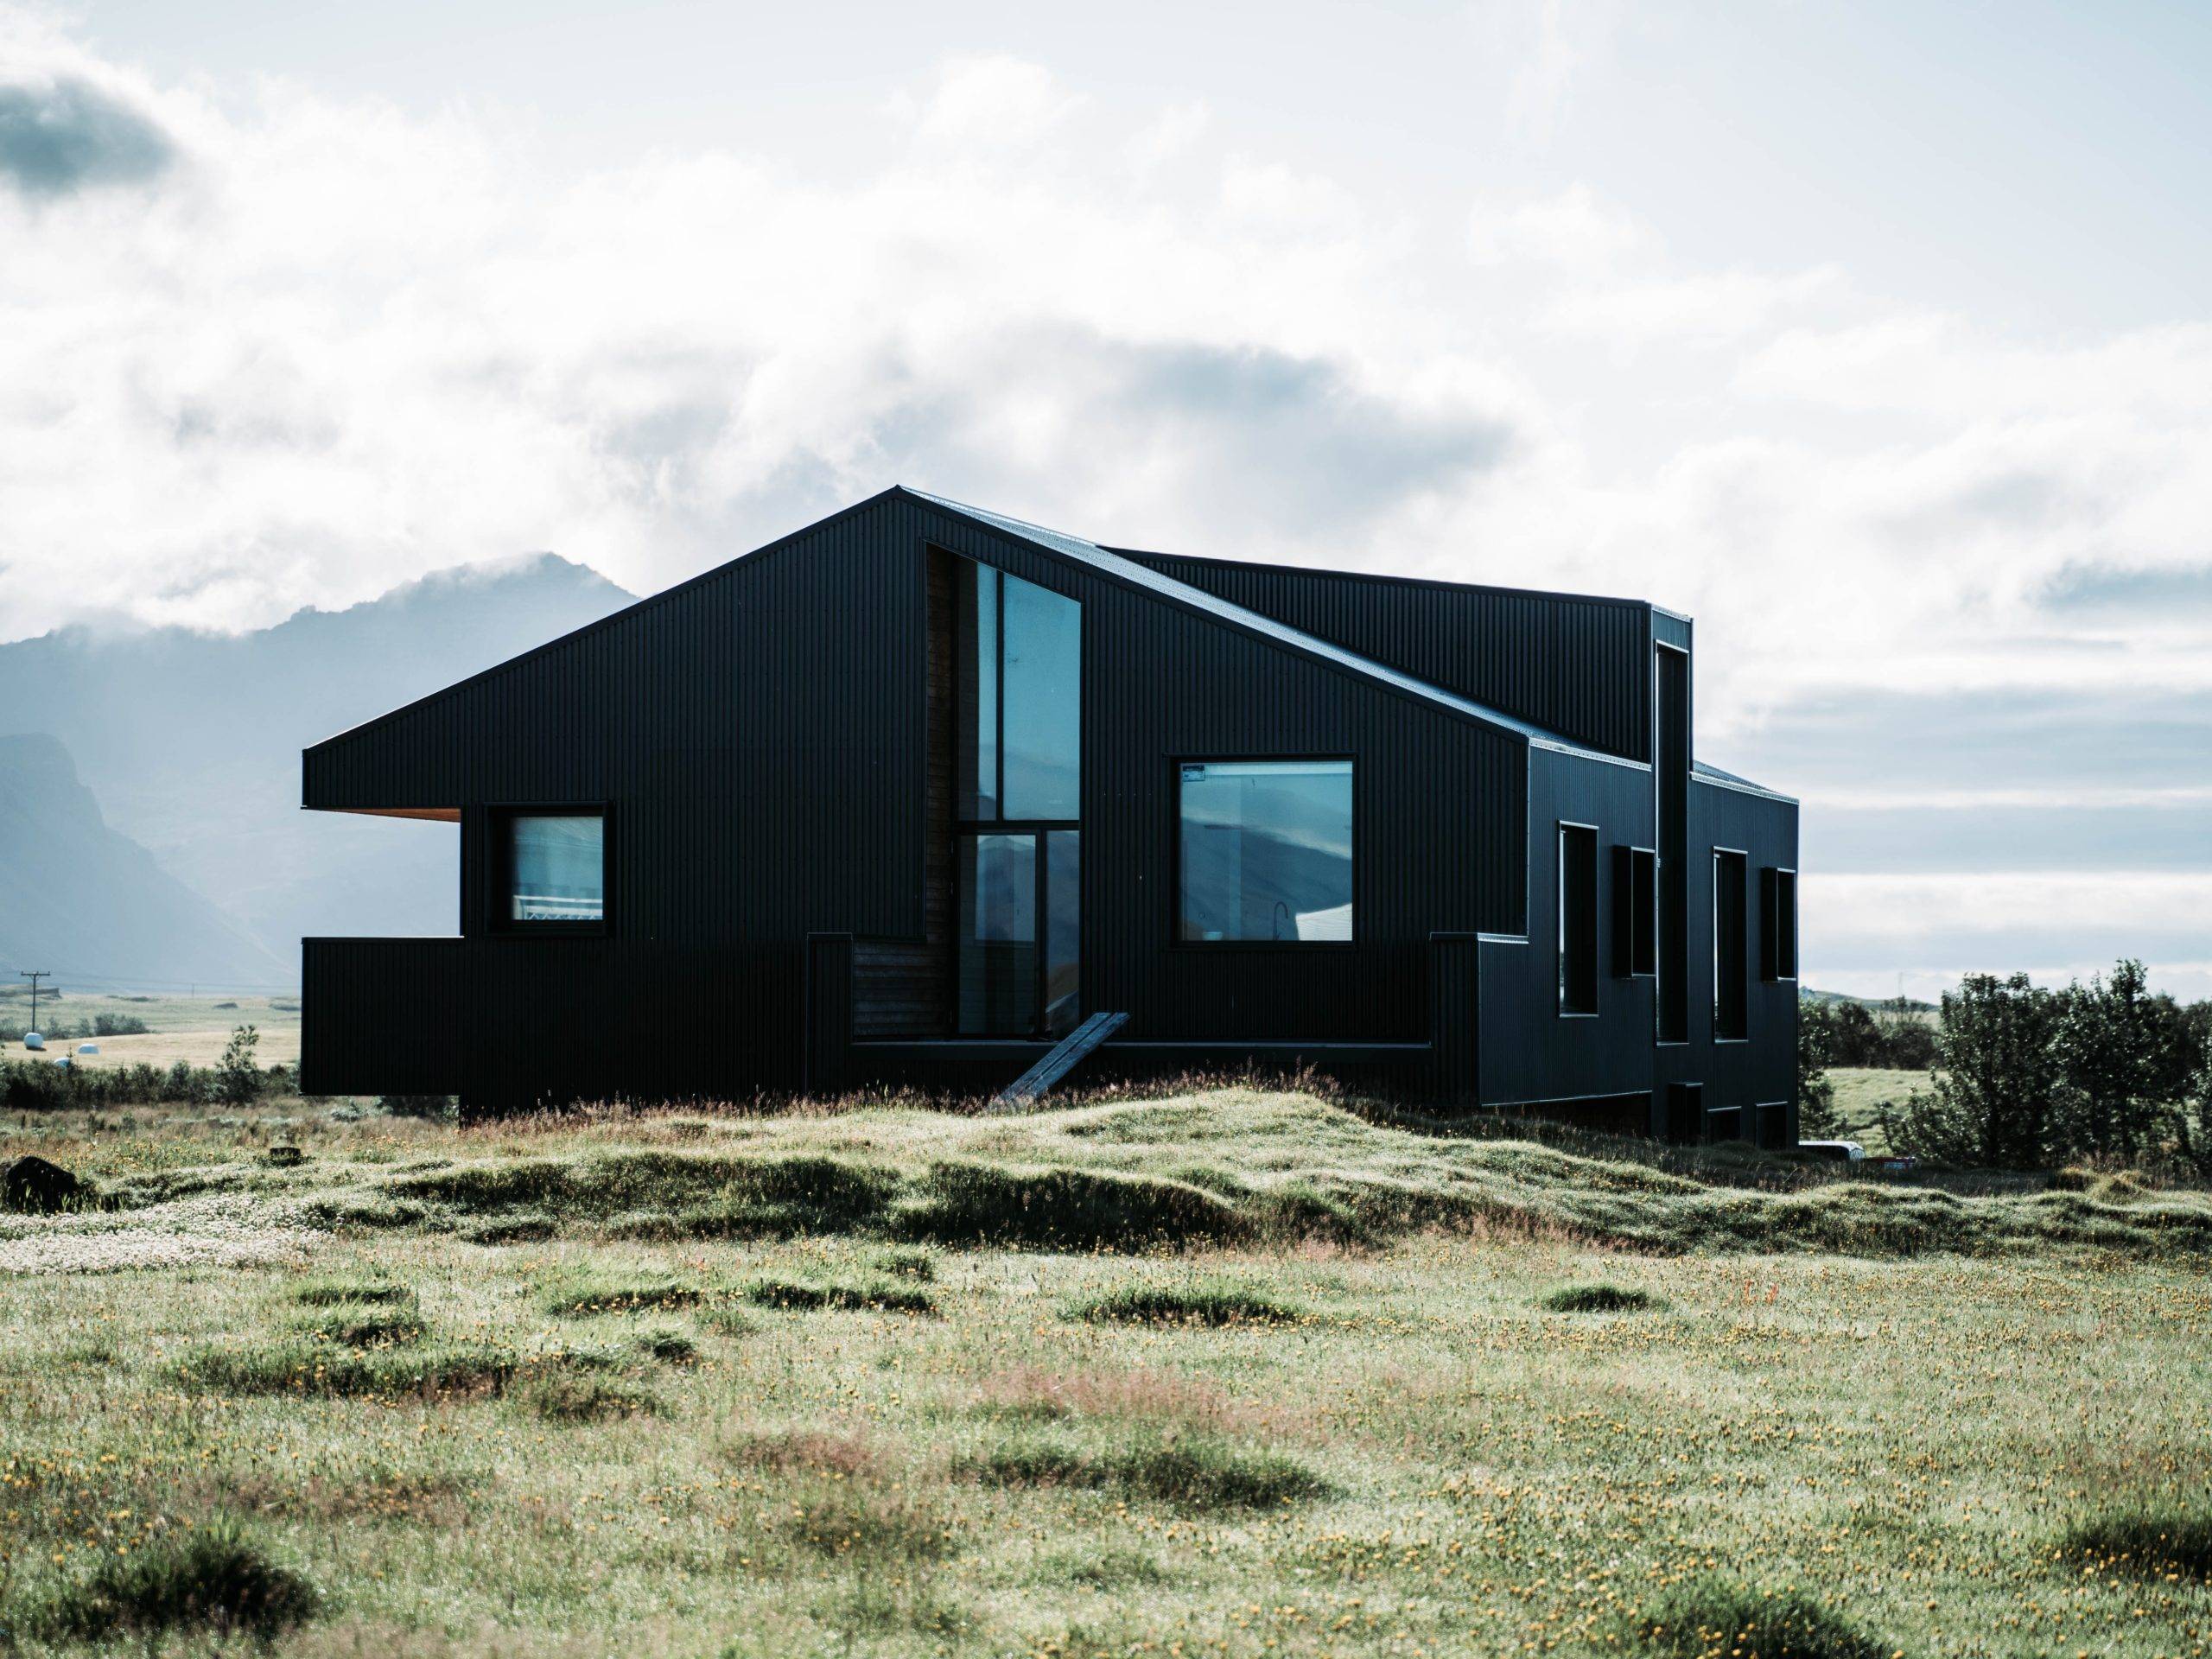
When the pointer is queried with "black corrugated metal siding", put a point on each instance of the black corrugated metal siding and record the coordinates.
(758, 737)
(1574, 665)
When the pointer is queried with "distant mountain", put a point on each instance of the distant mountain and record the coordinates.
(191, 742)
(80, 896)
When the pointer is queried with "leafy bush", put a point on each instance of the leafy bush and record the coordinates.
(238, 1077)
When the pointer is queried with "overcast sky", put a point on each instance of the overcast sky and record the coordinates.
(1877, 336)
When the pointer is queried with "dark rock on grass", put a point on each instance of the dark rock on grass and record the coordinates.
(1600, 1299)
(2145, 1543)
(36, 1186)
(215, 1578)
(1205, 1304)
(1697, 1621)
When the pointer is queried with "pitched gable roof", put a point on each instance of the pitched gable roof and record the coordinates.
(1129, 572)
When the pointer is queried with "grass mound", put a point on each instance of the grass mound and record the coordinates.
(1599, 1298)
(2150, 1542)
(354, 1293)
(795, 1296)
(1710, 1620)
(527, 1228)
(605, 1295)
(670, 1347)
(215, 1578)
(313, 1368)
(1205, 1304)
(1191, 1472)
(846, 1521)
(919, 1265)
(658, 1192)
(368, 1327)
(560, 1395)
(1066, 1208)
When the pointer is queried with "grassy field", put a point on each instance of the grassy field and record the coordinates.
(1860, 1091)
(879, 1382)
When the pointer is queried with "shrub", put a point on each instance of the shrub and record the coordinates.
(213, 1577)
(1203, 1304)
(1599, 1298)
(238, 1077)
(1706, 1620)
(118, 1025)
(1994, 1102)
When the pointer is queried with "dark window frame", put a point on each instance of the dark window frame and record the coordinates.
(499, 868)
(1740, 983)
(1636, 911)
(1778, 924)
(1591, 977)
(1211, 758)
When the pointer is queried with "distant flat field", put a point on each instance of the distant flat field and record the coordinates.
(184, 1027)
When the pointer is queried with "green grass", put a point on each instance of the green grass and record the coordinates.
(1319, 1408)
(1598, 1299)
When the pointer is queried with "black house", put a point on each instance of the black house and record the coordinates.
(904, 796)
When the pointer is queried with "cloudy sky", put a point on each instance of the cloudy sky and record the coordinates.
(1877, 336)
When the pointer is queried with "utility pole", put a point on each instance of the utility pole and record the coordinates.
(34, 974)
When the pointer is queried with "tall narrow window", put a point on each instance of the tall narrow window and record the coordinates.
(1778, 924)
(1671, 764)
(1578, 918)
(1266, 851)
(1730, 993)
(1635, 912)
(1018, 776)
(554, 866)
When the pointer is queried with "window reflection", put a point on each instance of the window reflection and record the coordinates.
(557, 867)
(1266, 851)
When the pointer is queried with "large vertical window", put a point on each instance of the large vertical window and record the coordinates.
(1635, 912)
(1731, 940)
(1018, 799)
(1578, 918)
(1778, 924)
(1266, 851)
(554, 866)
(1020, 648)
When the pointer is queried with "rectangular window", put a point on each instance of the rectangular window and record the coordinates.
(1266, 851)
(1724, 1124)
(556, 866)
(1020, 650)
(1635, 912)
(1578, 918)
(1730, 941)
(1778, 924)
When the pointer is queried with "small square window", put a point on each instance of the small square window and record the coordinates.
(1266, 852)
(554, 869)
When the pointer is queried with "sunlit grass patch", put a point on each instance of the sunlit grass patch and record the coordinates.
(1599, 1298)
(2145, 1540)
(1189, 1471)
(213, 1577)
(790, 1295)
(1113, 1568)
(1712, 1620)
(1209, 1303)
